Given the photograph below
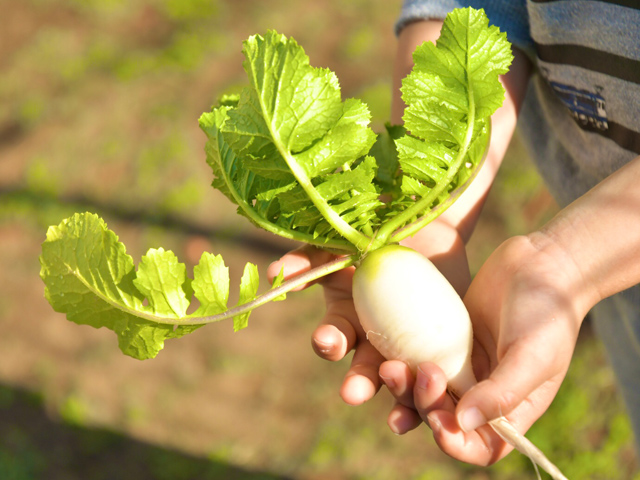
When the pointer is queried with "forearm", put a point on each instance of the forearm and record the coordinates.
(463, 214)
(598, 237)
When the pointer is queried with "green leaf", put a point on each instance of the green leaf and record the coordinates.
(429, 122)
(349, 183)
(425, 162)
(386, 155)
(459, 72)
(163, 280)
(254, 194)
(229, 100)
(248, 291)
(347, 140)
(211, 285)
(293, 101)
(276, 283)
(450, 94)
(351, 193)
(290, 127)
(89, 276)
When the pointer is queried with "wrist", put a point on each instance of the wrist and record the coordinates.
(569, 274)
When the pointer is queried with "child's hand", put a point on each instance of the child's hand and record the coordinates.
(339, 331)
(526, 307)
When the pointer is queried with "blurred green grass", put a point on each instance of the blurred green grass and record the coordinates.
(99, 101)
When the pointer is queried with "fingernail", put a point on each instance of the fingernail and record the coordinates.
(422, 381)
(434, 423)
(471, 419)
(323, 347)
(388, 381)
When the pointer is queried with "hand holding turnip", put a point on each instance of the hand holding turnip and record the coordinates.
(340, 331)
(526, 313)
(520, 352)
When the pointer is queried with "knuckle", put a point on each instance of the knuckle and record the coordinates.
(507, 401)
(502, 400)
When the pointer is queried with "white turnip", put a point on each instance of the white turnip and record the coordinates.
(410, 312)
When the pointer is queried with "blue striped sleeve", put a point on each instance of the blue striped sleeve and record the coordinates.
(509, 15)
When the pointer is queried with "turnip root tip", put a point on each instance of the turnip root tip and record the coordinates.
(509, 434)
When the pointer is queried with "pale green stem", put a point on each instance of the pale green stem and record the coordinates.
(297, 281)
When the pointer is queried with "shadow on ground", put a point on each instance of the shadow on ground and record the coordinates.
(35, 446)
(49, 205)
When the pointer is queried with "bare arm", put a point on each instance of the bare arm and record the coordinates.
(599, 234)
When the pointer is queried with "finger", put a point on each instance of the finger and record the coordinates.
(403, 419)
(298, 261)
(430, 390)
(399, 379)
(336, 334)
(511, 383)
(436, 407)
(362, 380)
(480, 447)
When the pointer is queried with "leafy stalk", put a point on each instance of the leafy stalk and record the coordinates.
(358, 239)
(460, 72)
(299, 162)
(225, 165)
(271, 295)
(291, 130)
(284, 143)
(427, 201)
(89, 276)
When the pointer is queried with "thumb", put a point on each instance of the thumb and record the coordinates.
(521, 371)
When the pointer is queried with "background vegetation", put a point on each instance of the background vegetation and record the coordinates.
(99, 101)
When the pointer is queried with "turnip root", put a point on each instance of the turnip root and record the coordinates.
(406, 320)
(410, 312)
